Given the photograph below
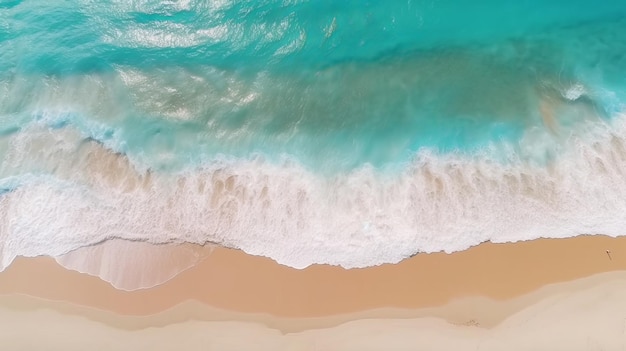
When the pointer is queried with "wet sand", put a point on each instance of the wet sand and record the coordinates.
(232, 280)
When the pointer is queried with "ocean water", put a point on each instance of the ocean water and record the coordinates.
(352, 133)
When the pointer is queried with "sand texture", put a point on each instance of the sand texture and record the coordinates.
(545, 294)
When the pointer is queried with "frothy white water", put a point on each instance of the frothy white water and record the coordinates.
(439, 203)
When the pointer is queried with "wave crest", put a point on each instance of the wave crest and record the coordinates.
(283, 211)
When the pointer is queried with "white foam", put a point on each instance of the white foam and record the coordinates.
(364, 218)
(574, 92)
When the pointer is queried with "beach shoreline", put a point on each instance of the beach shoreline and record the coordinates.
(233, 280)
(592, 304)
(492, 292)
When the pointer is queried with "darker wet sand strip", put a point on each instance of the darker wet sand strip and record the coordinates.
(235, 281)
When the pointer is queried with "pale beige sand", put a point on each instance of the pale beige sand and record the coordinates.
(235, 281)
(585, 314)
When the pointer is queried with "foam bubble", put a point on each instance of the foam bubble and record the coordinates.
(574, 92)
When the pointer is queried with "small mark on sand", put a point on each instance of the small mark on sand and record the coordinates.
(472, 323)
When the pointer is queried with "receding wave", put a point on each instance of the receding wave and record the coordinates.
(132, 265)
(282, 211)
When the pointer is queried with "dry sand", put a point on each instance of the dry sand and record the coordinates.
(502, 291)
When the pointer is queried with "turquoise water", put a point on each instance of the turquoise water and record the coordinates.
(342, 132)
(333, 84)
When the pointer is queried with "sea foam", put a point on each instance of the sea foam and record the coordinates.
(449, 202)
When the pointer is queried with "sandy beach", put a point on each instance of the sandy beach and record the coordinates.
(467, 295)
